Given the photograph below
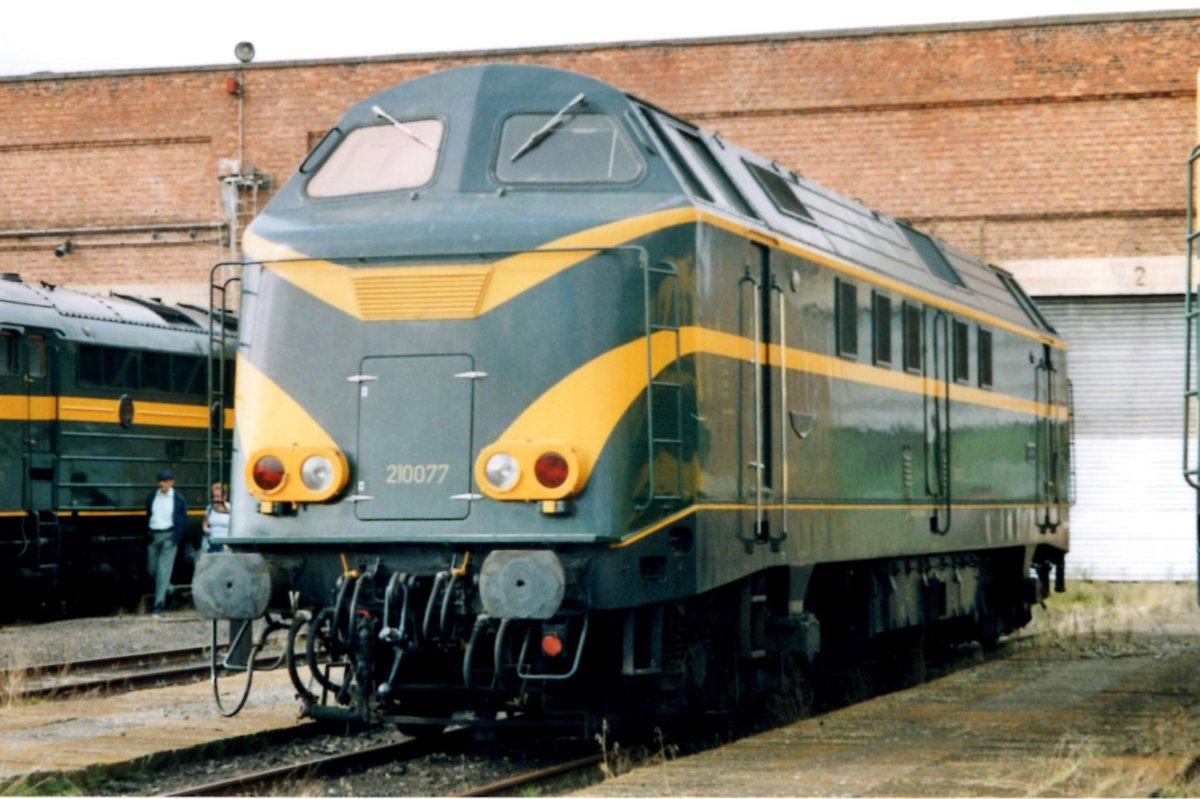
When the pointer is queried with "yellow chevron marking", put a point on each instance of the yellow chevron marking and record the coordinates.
(509, 277)
(269, 417)
(452, 291)
(585, 406)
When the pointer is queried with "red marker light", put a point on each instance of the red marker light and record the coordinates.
(551, 470)
(268, 473)
(552, 645)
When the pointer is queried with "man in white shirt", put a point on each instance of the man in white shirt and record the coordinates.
(167, 515)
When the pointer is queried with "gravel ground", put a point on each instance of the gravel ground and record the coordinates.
(23, 645)
(439, 774)
(1094, 624)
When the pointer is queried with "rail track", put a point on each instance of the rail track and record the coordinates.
(107, 675)
(531, 779)
(110, 674)
(263, 781)
(282, 779)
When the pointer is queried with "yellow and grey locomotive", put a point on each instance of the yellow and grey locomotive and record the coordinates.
(552, 405)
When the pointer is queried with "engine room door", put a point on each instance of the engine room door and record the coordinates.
(762, 398)
(414, 437)
(40, 415)
(1051, 448)
(939, 366)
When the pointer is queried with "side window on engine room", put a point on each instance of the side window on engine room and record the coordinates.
(985, 357)
(881, 329)
(845, 318)
(911, 333)
(962, 352)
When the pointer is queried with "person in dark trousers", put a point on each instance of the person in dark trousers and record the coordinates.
(166, 511)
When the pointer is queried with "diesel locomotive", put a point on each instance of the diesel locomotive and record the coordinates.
(553, 406)
(96, 395)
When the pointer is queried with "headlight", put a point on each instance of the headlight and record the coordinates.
(317, 472)
(502, 471)
(529, 471)
(271, 474)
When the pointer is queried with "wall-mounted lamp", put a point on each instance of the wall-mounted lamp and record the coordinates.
(63, 248)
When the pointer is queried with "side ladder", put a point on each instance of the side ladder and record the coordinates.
(664, 390)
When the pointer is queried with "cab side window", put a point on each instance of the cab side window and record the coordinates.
(10, 352)
(37, 354)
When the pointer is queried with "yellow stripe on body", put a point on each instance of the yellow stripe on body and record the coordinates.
(269, 417)
(345, 287)
(134, 512)
(20, 407)
(87, 409)
(821, 506)
(586, 405)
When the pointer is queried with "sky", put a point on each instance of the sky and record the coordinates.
(86, 35)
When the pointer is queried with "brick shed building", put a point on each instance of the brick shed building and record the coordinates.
(1052, 147)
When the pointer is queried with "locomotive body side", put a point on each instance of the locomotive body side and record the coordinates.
(584, 409)
(98, 394)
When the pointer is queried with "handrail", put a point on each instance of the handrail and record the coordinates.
(1191, 392)
(942, 365)
(757, 464)
(776, 540)
(218, 392)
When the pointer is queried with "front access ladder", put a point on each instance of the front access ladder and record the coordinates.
(224, 296)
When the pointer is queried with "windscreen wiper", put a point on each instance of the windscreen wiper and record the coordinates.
(405, 129)
(545, 130)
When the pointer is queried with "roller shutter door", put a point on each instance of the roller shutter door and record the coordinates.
(1134, 516)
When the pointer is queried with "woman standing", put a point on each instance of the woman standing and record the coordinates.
(216, 520)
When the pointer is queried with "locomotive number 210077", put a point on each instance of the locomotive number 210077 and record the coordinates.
(419, 473)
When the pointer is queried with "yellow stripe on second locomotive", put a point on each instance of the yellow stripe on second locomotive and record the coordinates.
(17, 407)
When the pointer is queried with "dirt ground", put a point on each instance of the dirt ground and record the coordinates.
(1102, 699)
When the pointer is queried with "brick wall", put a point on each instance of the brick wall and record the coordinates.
(1063, 139)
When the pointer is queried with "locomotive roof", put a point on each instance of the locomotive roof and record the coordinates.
(117, 320)
(473, 103)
